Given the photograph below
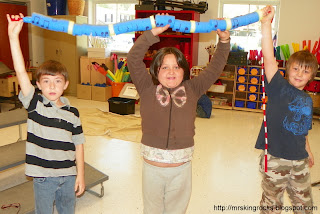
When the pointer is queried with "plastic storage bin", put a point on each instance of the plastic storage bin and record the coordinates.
(251, 105)
(239, 103)
(241, 87)
(253, 88)
(242, 79)
(254, 80)
(121, 105)
(242, 70)
(56, 7)
(254, 71)
(237, 58)
(252, 97)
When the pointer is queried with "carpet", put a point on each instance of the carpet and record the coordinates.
(96, 122)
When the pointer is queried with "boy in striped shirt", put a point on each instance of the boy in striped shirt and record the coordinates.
(54, 148)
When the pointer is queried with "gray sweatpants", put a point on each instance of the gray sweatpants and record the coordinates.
(166, 190)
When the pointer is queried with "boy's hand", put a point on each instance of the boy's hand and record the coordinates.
(14, 27)
(311, 159)
(158, 30)
(268, 14)
(79, 186)
(224, 36)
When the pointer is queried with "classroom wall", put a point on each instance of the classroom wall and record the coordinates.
(298, 21)
(35, 33)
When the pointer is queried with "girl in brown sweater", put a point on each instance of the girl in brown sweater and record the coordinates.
(168, 100)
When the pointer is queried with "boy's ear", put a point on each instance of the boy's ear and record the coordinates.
(38, 84)
(66, 85)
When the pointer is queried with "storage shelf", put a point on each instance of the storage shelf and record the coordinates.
(226, 92)
(227, 79)
(222, 107)
(247, 109)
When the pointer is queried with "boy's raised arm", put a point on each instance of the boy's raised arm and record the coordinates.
(14, 29)
(270, 63)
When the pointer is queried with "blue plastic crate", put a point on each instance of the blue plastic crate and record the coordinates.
(252, 105)
(239, 103)
(241, 87)
(254, 71)
(252, 81)
(253, 95)
(253, 88)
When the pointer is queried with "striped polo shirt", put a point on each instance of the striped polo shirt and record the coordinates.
(53, 133)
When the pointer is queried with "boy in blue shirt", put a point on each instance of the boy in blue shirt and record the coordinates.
(289, 118)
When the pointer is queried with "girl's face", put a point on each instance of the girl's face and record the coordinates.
(298, 76)
(170, 74)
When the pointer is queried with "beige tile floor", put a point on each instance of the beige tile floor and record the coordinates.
(225, 165)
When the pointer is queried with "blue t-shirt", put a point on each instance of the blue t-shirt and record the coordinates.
(289, 118)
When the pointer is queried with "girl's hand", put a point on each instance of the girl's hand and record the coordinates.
(224, 36)
(268, 14)
(14, 27)
(158, 30)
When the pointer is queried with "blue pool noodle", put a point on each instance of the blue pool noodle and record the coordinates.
(143, 24)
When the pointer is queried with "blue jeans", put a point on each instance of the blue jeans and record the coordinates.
(58, 189)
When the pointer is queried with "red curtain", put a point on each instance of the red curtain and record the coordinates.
(5, 53)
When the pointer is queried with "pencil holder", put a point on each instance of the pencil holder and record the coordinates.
(116, 88)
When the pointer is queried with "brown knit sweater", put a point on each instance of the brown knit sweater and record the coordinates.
(171, 126)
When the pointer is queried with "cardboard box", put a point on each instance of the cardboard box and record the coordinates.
(84, 91)
(10, 85)
(96, 52)
(219, 101)
(218, 88)
(101, 93)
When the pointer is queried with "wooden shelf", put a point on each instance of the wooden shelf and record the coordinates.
(227, 79)
(247, 109)
(222, 107)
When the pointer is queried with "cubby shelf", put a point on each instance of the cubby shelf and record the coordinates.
(236, 99)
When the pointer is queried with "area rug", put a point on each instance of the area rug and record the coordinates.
(96, 122)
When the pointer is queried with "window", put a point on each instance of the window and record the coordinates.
(115, 11)
(248, 37)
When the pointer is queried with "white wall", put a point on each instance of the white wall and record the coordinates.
(299, 20)
(206, 39)
(35, 33)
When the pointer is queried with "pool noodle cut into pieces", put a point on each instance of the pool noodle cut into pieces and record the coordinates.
(142, 24)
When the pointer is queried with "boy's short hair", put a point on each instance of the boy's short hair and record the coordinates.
(304, 59)
(53, 68)
(158, 60)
